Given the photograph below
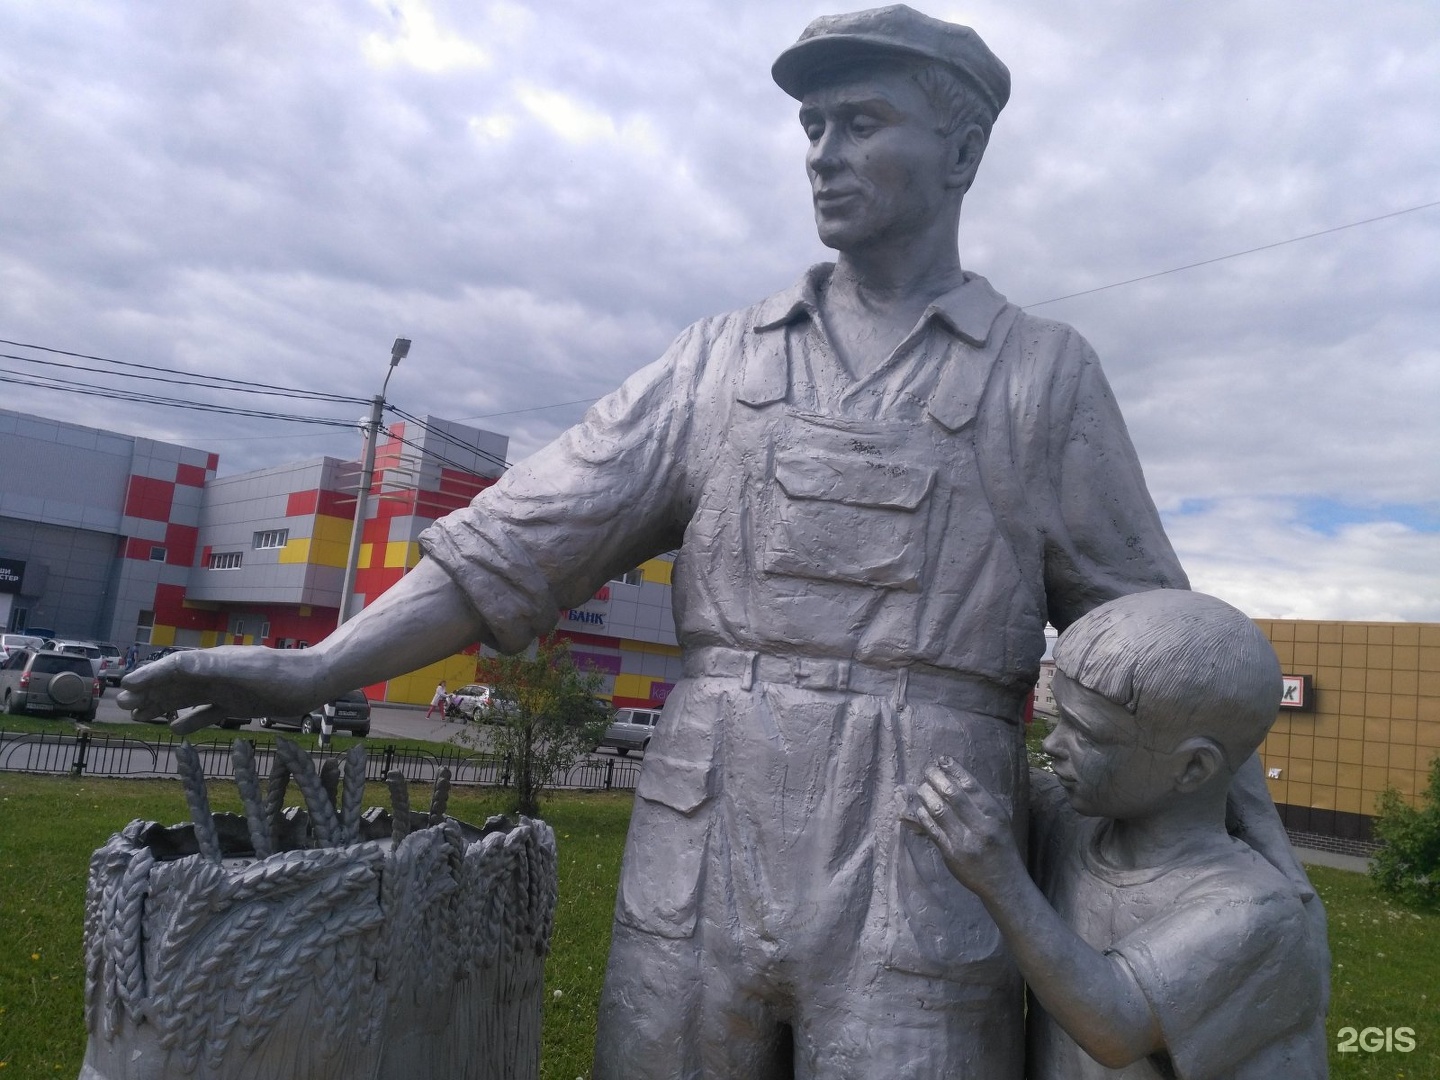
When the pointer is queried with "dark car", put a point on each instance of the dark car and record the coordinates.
(49, 683)
(347, 712)
(158, 653)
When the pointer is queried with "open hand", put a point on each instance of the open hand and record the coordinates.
(971, 828)
(233, 680)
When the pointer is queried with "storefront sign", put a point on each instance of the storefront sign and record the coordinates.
(12, 573)
(1296, 693)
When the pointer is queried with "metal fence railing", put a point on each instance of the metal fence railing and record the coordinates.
(89, 754)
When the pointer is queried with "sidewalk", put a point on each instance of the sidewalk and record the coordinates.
(1311, 857)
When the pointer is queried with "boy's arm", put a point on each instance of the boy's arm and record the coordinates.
(1092, 995)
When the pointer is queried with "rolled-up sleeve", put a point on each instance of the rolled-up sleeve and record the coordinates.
(596, 502)
(1105, 538)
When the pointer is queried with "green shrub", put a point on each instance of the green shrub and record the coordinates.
(1407, 867)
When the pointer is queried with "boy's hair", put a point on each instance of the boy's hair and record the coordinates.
(1189, 664)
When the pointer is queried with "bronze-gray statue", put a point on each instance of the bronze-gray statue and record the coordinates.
(1153, 942)
(882, 483)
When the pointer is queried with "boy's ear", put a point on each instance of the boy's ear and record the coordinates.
(1201, 760)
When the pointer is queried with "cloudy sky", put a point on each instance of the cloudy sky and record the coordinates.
(542, 195)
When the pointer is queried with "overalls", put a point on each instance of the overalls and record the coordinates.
(772, 909)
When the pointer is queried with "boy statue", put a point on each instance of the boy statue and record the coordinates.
(1153, 942)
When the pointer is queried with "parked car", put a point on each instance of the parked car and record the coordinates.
(347, 712)
(230, 722)
(112, 669)
(87, 649)
(49, 682)
(158, 653)
(631, 730)
(10, 642)
(477, 702)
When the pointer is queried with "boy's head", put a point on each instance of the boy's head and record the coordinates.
(1183, 664)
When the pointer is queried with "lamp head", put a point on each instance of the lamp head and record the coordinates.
(399, 350)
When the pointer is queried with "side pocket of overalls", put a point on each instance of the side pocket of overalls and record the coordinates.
(664, 865)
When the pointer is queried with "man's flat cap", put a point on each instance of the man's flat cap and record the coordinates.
(834, 41)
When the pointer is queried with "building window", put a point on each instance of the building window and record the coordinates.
(264, 630)
(157, 553)
(271, 538)
(634, 577)
(143, 625)
(224, 560)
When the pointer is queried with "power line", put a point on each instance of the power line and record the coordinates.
(253, 389)
(1232, 255)
(533, 408)
(430, 453)
(445, 436)
(215, 380)
(50, 383)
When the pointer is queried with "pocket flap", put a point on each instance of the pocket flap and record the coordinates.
(855, 481)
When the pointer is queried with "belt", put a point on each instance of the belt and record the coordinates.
(905, 684)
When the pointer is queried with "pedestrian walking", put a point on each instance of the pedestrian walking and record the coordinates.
(438, 701)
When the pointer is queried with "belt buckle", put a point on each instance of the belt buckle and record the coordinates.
(813, 674)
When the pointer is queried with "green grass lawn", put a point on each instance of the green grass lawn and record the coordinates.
(1386, 959)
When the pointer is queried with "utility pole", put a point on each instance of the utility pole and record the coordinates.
(373, 426)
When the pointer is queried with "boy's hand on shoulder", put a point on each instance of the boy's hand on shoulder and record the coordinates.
(971, 828)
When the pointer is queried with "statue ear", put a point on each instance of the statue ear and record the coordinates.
(969, 146)
(1200, 760)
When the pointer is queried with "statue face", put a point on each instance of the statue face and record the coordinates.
(880, 171)
(1106, 767)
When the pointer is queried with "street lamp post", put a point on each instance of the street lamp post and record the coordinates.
(398, 352)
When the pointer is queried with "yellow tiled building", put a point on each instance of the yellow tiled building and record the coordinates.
(1375, 721)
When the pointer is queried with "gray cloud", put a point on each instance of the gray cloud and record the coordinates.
(542, 197)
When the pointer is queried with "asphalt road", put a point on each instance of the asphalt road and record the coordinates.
(386, 721)
(392, 721)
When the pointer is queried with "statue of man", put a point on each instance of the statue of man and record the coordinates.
(882, 482)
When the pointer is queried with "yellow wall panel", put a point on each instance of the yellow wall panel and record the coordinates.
(160, 636)
(418, 687)
(329, 552)
(658, 570)
(402, 553)
(632, 686)
(296, 550)
(333, 529)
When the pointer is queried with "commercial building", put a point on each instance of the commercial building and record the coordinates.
(117, 538)
(98, 530)
(1361, 714)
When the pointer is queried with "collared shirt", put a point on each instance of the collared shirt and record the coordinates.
(936, 511)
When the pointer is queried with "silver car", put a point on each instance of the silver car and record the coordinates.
(49, 683)
(631, 729)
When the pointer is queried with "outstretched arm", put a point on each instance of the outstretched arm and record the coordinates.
(1094, 996)
(421, 619)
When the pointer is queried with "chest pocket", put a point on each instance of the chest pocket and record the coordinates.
(857, 517)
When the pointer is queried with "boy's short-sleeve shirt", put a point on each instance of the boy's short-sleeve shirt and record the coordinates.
(1221, 949)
